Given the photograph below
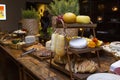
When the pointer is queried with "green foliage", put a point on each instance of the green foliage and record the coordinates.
(59, 7)
(30, 14)
(49, 31)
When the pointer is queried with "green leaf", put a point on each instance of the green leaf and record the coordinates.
(59, 7)
(30, 14)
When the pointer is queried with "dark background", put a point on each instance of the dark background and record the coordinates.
(107, 29)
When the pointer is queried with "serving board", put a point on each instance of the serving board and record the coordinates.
(111, 51)
(40, 53)
(41, 58)
(106, 61)
(84, 50)
(62, 69)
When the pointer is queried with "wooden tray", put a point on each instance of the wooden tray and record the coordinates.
(106, 61)
(39, 54)
(76, 25)
(84, 50)
(62, 69)
(41, 58)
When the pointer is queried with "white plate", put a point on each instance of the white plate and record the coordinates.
(114, 65)
(103, 76)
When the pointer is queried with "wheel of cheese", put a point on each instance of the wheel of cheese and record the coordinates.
(78, 43)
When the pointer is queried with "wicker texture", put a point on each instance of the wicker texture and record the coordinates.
(31, 25)
(70, 32)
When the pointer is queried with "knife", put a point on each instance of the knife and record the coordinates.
(29, 51)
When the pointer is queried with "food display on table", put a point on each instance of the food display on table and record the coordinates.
(83, 19)
(78, 43)
(20, 32)
(41, 51)
(16, 43)
(94, 42)
(12, 41)
(73, 18)
(83, 66)
(37, 46)
(84, 45)
(18, 40)
(113, 47)
(84, 42)
(58, 47)
(69, 17)
(74, 55)
(80, 66)
(7, 38)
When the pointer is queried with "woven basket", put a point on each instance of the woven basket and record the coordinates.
(31, 25)
(70, 32)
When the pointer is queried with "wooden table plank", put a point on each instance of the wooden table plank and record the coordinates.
(38, 68)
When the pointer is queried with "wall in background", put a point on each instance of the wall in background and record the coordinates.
(13, 13)
(13, 8)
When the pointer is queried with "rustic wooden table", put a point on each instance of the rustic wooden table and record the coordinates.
(32, 66)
